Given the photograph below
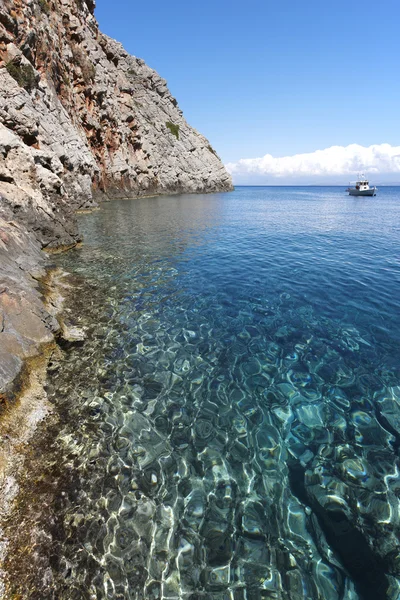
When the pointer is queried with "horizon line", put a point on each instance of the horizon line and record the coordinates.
(307, 185)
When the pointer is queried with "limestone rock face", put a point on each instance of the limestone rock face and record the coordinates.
(79, 117)
(32, 191)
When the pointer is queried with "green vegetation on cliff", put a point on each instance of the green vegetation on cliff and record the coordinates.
(174, 129)
(24, 75)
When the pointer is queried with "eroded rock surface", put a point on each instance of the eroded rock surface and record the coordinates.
(79, 118)
(79, 115)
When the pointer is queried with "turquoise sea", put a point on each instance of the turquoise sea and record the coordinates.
(232, 422)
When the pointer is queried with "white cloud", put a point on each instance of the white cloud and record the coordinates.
(321, 164)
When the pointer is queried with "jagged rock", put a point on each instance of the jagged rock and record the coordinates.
(10, 368)
(80, 115)
(79, 118)
(32, 191)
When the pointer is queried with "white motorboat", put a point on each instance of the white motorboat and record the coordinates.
(361, 188)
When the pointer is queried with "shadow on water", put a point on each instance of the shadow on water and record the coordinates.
(366, 569)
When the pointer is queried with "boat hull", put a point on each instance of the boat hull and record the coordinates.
(370, 192)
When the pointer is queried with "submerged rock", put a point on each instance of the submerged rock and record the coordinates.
(72, 334)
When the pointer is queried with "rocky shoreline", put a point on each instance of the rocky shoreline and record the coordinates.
(27, 422)
(29, 303)
(81, 121)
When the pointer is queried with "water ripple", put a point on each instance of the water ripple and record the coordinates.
(237, 398)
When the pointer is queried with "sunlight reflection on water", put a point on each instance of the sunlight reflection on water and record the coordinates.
(238, 397)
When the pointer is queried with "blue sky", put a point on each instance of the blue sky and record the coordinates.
(280, 78)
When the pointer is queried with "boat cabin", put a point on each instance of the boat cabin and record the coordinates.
(362, 185)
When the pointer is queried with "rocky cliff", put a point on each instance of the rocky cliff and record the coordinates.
(80, 117)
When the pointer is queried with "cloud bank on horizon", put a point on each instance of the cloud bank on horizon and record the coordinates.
(334, 164)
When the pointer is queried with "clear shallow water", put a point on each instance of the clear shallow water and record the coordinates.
(234, 416)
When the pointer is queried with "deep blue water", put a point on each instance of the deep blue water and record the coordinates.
(239, 395)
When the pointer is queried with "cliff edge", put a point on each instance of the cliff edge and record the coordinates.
(80, 117)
